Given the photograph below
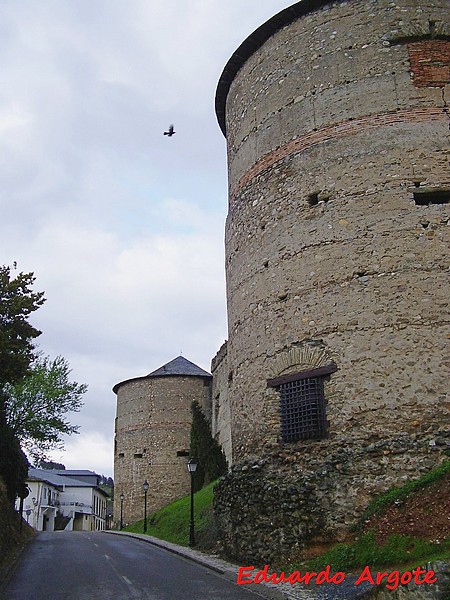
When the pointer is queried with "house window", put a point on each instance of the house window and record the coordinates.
(303, 404)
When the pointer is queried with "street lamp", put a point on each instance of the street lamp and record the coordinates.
(145, 486)
(192, 467)
(122, 497)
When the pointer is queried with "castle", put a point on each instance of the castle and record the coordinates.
(152, 436)
(332, 386)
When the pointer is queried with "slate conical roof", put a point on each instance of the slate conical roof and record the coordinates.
(176, 367)
(179, 366)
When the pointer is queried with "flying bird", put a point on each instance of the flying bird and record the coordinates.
(170, 132)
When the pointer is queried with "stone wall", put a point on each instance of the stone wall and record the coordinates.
(270, 509)
(152, 441)
(220, 413)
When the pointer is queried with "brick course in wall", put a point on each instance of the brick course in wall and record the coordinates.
(338, 131)
(430, 63)
(299, 271)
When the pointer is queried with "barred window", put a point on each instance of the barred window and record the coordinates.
(302, 407)
(302, 404)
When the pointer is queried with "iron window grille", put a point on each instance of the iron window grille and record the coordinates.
(303, 404)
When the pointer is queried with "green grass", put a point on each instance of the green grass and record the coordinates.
(398, 550)
(171, 523)
(397, 493)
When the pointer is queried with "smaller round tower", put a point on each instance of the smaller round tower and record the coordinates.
(152, 436)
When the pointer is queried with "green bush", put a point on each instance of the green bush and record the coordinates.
(211, 459)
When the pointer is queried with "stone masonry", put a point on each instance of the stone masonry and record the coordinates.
(220, 414)
(152, 436)
(337, 121)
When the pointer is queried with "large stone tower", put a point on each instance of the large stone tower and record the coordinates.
(152, 435)
(337, 119)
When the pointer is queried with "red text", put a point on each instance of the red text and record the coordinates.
(245, 576)
(395, 578)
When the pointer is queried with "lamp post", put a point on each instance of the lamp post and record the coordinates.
(121, 511)
(192, 467)
(145, 486)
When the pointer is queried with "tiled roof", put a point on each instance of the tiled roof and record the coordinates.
(74, 472)
(179, 366)
(176, 367)
(53, 477)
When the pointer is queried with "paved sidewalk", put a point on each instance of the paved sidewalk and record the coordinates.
(282, 591)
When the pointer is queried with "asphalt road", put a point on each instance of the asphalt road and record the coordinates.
(98, 566)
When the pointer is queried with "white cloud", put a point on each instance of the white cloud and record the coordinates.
(91, 451)
(12, 118)
(122, 227)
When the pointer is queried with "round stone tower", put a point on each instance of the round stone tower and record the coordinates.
(337, 116)
(337, 124)
(152, 436)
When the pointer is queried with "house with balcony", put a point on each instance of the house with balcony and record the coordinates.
(65, 499)
(41, 505)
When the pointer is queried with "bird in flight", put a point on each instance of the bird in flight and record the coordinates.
(170, 132)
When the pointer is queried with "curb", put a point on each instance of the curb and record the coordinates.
(216, 564)
(267, 590)
(188, 553)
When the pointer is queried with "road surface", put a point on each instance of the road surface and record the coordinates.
(100, 566)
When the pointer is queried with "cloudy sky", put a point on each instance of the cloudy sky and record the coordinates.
(122, 226)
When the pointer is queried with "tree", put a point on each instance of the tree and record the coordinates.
(50, 465)
(13, 462)
(36, 406)
(211, 459)
(17, 335)
(17, 302)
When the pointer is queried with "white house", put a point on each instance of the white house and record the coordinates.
(40, 506)
(71, 500)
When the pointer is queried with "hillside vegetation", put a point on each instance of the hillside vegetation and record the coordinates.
(11, 539)
(171, 523)
(407, 524)
(403, 526)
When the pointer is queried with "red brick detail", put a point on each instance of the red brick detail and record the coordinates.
(340, 130)
(430, 62)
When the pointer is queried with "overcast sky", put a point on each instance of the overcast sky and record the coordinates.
(122, 226)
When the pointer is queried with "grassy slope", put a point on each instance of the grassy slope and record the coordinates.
(397, 548)
(171, 523)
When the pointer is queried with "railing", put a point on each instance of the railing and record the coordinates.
(76, 504)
